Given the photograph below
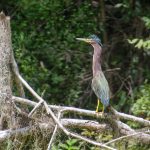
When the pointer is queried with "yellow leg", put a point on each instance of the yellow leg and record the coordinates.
(103, 110)
(97, 107)
(99, 104)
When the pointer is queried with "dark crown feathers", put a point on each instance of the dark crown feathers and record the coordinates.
(96, 39)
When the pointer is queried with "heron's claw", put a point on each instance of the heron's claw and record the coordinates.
(99, 114)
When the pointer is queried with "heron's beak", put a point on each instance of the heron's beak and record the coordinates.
(85, 40)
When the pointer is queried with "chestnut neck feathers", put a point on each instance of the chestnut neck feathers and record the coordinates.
(96, 58)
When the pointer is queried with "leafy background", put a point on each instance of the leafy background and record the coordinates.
(59, 67)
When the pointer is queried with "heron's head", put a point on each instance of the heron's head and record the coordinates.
(92, 39)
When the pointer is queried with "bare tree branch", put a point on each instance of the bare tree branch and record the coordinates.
(111, 70)
(87, 124)
(132, 118)
(36, 107)
(49, 112)
(86, 112)
(126, 136)
(30, 129)
(54, 133)
(5, 134)
(15, 71)
(124, 128)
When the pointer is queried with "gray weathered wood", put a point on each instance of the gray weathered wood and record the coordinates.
(6, 107)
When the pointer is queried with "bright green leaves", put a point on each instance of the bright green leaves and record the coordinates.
(119, 5)
(140, 43)
(142, 105)
(70, 144)
(132, 41)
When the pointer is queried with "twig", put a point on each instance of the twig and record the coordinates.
(121, 86)
(36, 106)
(90, 141)
(54, 133)
(111, 70)
(15, 71)
(29, 88)
(126, 136)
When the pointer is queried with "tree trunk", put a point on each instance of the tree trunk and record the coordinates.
(6, 105)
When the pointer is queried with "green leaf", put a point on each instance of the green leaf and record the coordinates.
(54, 148)
(118, 5)
(139, 44)
(64, 146)
(132, 41)
(146, 21)
(73, 141)
(75, 148)
(121, 5)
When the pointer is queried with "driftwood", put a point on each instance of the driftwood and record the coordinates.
(54, 115)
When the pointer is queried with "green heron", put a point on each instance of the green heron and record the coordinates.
(99, 83)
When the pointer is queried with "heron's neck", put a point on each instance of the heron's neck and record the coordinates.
(96, 58)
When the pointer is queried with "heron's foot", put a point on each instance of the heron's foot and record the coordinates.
(101, 114)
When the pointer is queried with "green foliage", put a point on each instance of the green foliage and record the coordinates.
(146, 21)
(88, 133)
(139, 146)
(140, 43)
(142, 104)
(50, 58)
(41, 37)
(122, 101)
(70, 144)
(103, 137)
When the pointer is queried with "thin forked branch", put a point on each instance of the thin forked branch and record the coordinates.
(126, 136)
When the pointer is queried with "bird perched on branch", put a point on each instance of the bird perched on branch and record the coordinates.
(99, 83)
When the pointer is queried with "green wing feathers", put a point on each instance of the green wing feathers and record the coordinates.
(101, 88)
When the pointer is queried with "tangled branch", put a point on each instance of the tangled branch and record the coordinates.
(51, 114)
(64, 123)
